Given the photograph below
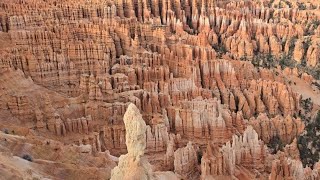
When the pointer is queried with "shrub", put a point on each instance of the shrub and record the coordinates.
(287, 61)
(264, 60)
(307, 104)
(6, 131)
(302, 6)
(27, 157)
(306, 44)
(316, 84)
(309, 143)
(220, 49)
(311, 27)
(275, 144)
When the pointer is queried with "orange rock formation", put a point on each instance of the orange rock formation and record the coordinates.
(203, 79)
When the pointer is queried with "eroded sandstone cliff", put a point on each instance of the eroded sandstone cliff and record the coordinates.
(202, 88)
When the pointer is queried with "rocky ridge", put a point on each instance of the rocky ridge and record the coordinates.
(205, 75)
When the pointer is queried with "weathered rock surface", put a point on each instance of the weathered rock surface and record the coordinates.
(26, 158)
(244, 157)
(287, 168)
(134, 165)
(185, 161)
(201, 71)
(285, 128)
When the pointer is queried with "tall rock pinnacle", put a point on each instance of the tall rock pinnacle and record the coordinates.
(133, 165)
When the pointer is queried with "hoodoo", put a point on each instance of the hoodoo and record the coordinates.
(160, 89)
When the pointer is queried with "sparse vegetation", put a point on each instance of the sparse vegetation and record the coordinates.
(270, 61)
(313, 71)
(287, 61)
(307, 105)
(315, 23)
(275, 144)
(266, 61)
(27, 157)
(309, 143)
(302, 6)
(316, 84)
(220, 49)
(310, 27)
(306, 44)
(6, 131)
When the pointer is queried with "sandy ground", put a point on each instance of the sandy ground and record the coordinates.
(300, 86)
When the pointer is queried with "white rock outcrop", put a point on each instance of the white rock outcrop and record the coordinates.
(133, 165)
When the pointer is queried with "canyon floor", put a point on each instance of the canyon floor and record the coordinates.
(160, 89)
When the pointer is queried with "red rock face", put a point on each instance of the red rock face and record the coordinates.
(205, 75)
(245, 152)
